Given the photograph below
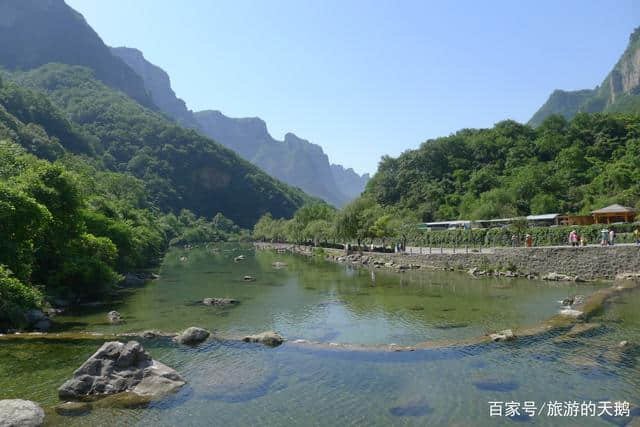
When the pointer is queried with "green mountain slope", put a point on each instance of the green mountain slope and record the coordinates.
(182, 168)
(68, 226)
(513, 169)
(619, 92)
(37, 32)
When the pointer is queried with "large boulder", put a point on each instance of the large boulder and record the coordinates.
(270, 338)
(220, 301)
(192, 336)
(20, 413)
(118, 367)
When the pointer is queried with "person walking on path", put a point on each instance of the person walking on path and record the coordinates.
(583, 240)
(529, 240)
(573, 238)
(637, 234)
(605, 237)
(612, 237)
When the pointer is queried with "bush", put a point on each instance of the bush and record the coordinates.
(16, 298)
(542, 236)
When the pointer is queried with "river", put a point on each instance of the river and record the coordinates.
(232, 383)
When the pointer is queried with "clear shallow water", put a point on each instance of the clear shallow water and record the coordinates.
(241, 384)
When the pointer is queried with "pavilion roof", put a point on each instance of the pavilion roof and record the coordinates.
(615, 208)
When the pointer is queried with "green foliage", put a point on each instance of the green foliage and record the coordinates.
(501, 236)
(16, 298)
(513, 170)
(181, 168)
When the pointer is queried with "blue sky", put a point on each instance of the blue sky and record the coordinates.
(368, 78)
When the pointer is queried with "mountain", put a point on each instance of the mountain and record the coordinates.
(295, 161)
(157, 82)
(619, 92)
(37, 32)
(348, 180)
(181, 168)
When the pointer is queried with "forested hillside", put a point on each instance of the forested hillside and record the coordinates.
(513, 169)
(37, 32)
(69, 227)
(181, 168)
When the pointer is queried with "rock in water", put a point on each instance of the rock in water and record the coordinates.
(270, 338)
(114, 317)
(556, 277)
(192, 336)
(38, 320)
(220, 301)
(506, 335)
(20, 413)
(249, 278)
(132, 279)
(118, 367)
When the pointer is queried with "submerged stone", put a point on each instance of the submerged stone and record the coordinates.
(415, 409)
(451, 325)
(73, 409)
(491, 385)
(220, 301)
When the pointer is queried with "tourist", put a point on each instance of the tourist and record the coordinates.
(637, 234)
(514, 240)
(612, 237)
(583, 241)
(529, 240)
(605, 237)
(573, 238)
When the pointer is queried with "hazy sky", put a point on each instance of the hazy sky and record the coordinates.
(367, 78)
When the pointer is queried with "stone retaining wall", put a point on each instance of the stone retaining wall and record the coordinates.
(592, 262)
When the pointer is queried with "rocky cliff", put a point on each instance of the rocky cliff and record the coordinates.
(620, 90)
(158, 84)
(295, 161)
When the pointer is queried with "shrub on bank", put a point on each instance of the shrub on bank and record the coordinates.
(501, 236)
(16, 298)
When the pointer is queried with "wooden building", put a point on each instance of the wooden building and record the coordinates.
(614, 213)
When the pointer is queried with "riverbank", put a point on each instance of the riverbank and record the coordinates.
(554, 263)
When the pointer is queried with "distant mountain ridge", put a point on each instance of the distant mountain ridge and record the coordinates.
(619, 92)
(295, 161)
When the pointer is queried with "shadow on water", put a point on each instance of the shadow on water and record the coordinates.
(414, 409)
(496, 385)
(231, 395)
